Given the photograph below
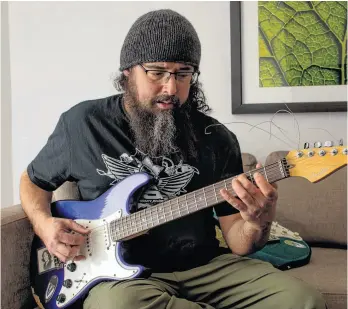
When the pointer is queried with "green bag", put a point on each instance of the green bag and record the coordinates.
(285, 253)
(284, 250)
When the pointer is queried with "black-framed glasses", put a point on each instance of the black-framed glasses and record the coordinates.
(162, 76)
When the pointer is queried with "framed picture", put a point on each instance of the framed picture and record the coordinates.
(288, 54)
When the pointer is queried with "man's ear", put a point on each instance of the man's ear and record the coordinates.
(126, 72)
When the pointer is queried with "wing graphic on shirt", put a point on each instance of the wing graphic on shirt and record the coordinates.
(170, 178)
(117, 169)
(175, 184)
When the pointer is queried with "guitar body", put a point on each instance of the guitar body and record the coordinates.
(59, 285)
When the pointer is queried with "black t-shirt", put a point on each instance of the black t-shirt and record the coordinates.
(92, 145)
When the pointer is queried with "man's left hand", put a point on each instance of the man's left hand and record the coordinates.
(257, 204)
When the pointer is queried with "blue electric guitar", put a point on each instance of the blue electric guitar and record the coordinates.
(59, 285)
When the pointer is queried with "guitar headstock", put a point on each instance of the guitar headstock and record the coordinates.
(316, 163)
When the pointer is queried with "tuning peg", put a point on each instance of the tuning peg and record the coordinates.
(306, 145)
(328, 144)
(340, 143)
(317, 144)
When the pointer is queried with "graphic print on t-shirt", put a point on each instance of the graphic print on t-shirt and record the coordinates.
(171, 178)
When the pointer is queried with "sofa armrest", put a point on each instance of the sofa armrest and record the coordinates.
(16, 237)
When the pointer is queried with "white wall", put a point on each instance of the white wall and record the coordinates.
(6, 119)
(66, 52)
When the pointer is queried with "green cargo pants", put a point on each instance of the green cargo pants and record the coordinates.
(228, 281)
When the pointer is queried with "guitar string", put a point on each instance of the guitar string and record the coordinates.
(191, 201)
(215, 186)
(176, 210)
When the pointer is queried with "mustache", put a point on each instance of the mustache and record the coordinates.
(167, 98)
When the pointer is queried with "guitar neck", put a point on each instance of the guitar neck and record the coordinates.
(187, 204)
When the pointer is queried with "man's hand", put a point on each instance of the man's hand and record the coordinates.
(257, 204)
(56, 235)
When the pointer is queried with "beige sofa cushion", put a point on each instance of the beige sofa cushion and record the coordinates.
(249, 162)
(318, 211)
(16, 237)
(327, 272)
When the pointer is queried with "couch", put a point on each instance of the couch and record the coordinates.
(318, 212)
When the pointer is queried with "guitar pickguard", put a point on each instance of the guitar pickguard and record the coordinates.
(59, 285)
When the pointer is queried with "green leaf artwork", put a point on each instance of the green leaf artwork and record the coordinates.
(302, 43)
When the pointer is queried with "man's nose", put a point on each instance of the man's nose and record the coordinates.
(170, 85)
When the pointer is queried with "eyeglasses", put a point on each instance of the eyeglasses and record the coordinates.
(162, 77)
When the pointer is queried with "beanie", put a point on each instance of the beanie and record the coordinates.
(161, 36)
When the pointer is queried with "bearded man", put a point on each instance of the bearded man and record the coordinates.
(157, 124)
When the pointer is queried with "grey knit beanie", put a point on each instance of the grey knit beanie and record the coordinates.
(161, 36)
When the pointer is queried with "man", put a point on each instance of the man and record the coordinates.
(159, 126)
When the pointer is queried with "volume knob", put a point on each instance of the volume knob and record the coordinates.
(67, 283)
(61, 298)
(71, 267)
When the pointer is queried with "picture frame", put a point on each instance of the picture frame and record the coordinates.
(238, 107)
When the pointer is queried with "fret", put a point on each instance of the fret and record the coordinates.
(152, 217)
(129, 223)
(133, 223)
(182, 207)
(265, 174)
(160, 217)
(123, 224)
(171, 211)
(144, 219)
(195, 201)
(280, 165)
(251, 178)
(225, 185)
(175, 215)
(188, 209)
(179, 210)
(205, 198)
(156, 212)
(215, 193)
(282, 168)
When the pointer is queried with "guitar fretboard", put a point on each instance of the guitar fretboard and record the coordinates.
(187, 204)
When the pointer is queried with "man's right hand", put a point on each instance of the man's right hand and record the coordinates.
(59, 237)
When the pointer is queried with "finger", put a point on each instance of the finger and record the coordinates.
(236, 203)
(59, 256)
(79, 258)
(68, 252)
(256, 195)
(72, 239)
(268, 191)
(245, 194)
(71, 224)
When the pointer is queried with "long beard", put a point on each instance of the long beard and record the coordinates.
(160, 133)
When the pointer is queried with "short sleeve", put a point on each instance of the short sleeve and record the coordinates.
(51, 167)
(230, 164)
